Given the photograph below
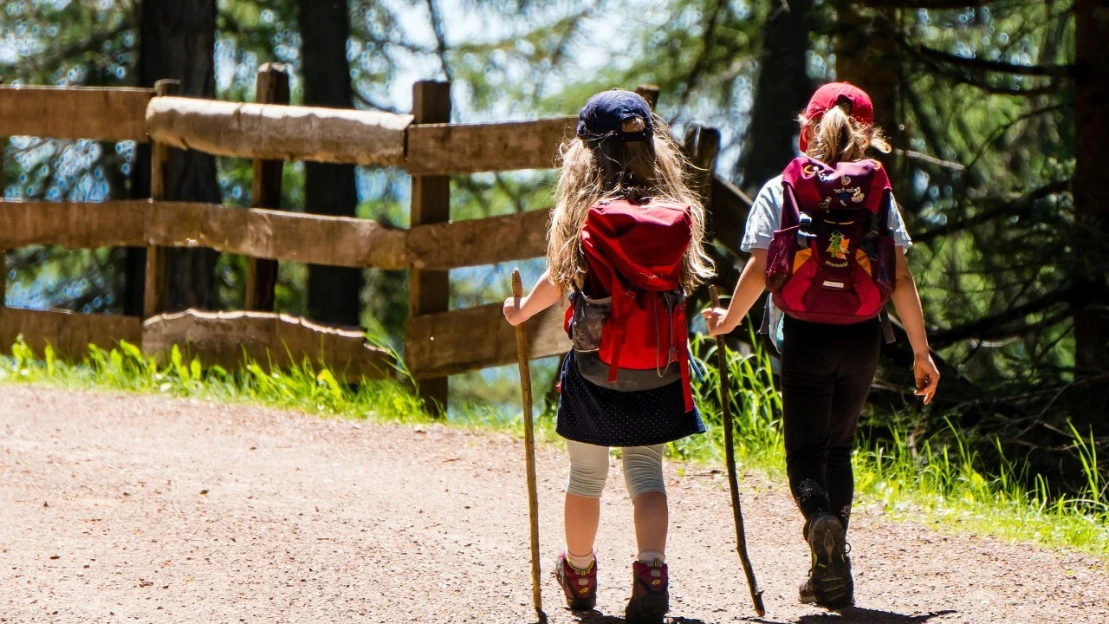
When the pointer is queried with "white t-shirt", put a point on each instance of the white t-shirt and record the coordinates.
(766, 215)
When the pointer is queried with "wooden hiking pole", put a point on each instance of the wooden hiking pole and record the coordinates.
(729, 454)
(529, 447)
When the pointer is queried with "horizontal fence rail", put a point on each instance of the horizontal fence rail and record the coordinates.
(272, 131)
(104, 114)
(68, 333)
(278, 132)
(451, 149)
(462, 340)
(273, 234)
(223, 338)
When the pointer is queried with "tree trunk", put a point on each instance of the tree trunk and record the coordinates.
(868, 56)
(178, 42)
(782, 91)
(333, 292)
(1091, 299)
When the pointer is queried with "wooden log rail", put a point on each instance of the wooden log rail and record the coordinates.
(279, 132)
(273, 234)
(463, 340)
(217, 338)
(104, 114)
(69, 333)
(224, 338)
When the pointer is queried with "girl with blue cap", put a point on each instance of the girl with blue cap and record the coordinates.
(622, 157)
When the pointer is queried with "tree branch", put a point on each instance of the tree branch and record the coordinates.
(993, 326)
(931, 5)
(440, 38)
(1000, 208)
(699, 64)
(980, 65)
(974, 78)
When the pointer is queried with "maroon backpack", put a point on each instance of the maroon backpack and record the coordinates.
(832, 261)
(629, 327)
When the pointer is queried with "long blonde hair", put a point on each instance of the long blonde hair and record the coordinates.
(839, 137)
(657, 170)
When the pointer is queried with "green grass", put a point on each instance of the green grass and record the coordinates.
(943, 482)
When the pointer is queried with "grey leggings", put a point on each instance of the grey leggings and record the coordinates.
(589, 469)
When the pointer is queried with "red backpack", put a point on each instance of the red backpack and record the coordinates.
(628, 327)
(832, 261)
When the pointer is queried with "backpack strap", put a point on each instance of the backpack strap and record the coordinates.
(887, 327)
(677, 325)
(619, 301)
(879, 226)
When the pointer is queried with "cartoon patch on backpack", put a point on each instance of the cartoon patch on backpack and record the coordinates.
(832, 260)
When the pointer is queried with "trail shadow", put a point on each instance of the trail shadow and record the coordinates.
(596, 617)
(857, 615)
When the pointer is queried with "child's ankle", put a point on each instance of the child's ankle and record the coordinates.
(649, 557)
(580, 563)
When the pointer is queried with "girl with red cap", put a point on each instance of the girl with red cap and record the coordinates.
(622, 166)
(827, 239)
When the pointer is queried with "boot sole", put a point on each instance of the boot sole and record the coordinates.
(832, 584)
(581, 605)
(649, 609)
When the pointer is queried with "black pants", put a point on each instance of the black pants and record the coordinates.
(826, 375)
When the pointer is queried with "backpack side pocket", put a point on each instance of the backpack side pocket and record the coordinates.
(780, 256)
(588, 320)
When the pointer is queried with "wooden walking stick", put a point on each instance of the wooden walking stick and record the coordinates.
(729, 454)
(529, 447)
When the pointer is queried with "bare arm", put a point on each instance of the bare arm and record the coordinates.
(543, 295)
(751, 284)
(907, 301)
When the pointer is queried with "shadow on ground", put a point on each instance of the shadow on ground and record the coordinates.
(856, 615)
(853, 615)
(596, 617)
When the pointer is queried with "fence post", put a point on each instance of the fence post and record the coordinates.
(271, 87)
(156, 291)
(429, 291)
(650, 93)
(701, 147)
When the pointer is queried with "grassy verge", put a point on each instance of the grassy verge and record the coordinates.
(941, 482)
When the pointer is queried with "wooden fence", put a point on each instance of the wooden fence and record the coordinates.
(438, 341)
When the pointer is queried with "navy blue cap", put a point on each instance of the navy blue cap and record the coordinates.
(605, 113)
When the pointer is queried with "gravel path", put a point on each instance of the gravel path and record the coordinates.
(121, 508)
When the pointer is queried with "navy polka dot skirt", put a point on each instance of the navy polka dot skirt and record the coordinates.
(595, 415)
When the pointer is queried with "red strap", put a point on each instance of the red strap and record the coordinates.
(683, 357)
(617, 328)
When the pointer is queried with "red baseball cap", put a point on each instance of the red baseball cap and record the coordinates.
(860, 108)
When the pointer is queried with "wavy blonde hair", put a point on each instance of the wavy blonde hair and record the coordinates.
(634, 168)
(839, 137)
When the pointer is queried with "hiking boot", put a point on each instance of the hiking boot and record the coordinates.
(579, 586)
(829, 584)
(650, 597)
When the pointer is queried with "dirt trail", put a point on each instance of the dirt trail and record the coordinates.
(117, 508)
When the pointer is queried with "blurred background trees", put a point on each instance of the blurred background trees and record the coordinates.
(996, 108)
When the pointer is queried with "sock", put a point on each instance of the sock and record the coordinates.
(580, 563)
(649, 557)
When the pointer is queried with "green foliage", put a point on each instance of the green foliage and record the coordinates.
(307, 387)
(941, 476)
(756, 407)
